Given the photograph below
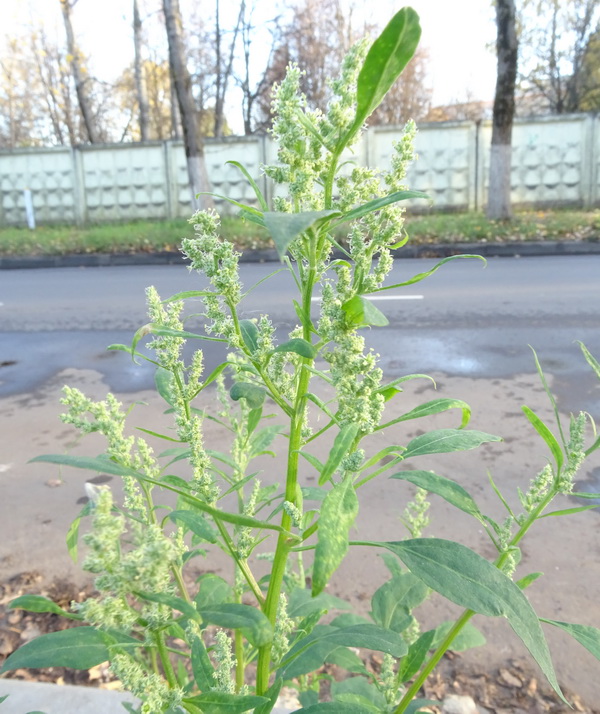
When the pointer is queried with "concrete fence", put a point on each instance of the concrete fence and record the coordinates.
(555, 163)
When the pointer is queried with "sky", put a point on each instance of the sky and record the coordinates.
(458, 36)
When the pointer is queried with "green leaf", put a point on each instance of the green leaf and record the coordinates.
(546, 435)
(223, 703)
(361, 312)
(341, 446)
(387, 57)
(271, 694)
(4, 698)
(252, 182)
(393, 602)
(195, 523)
(436, 406)
(38, 603)
(202, 667)
(299, 346)
(347, 659)
(133, 353)
(591, 360)
(302, 603)
(214, 590)
(358, 690)
(309, 653)
(444, 441)
(527, 580)
(465, 578)
(187, 294)
(338, 513)
(570, 511)
(421, 276)
(163, 380)
(100, 464)
(73, 532)
(263, 439)
(250, 333)
(377, 204)
(417, 653)
(176, 603)
(252, 623)
(161, 331)
(335, 708)
(285, 227)
(584, 494)
(252, 393)
(415, 706)
(587, 636)
(76, 648)
(449, 490)
(468, 638)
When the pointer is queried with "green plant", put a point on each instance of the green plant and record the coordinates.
(168, 640)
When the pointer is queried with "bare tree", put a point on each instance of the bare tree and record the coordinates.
(555, 37)
(140, 80)
(194, 147)
(223, 71)
(498, 205)
(79, 74)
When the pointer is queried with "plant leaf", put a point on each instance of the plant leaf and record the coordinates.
(393, 602)
(417, 653)
(341, 446)
(387, 57)
(195, 523)
(377, 204)
(334, 708)
(285, 227)
(449, 490)
(299, 346)
(570, 511)
(214, 590)
(436, 406)
(421, 276)
(338, 513)
(271, 694)
(444, 441)
(252, 393)
(466, 639)
(465, 578)
(38, 603)
(249, 332)
(591, 360)
(358, 690)
(224, 703)
(587, 636)
(302, 603)
(361, 312)
(202, 667)
(76, 648)
(253, 624)
(546, 435)
(252, 182)
(100, 464)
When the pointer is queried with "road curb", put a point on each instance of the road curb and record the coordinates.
(434, 250)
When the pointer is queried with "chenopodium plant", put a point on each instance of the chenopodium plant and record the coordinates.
(209, 645)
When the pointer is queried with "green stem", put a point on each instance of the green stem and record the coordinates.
(284, 544)
(242, 564)
(166, 662)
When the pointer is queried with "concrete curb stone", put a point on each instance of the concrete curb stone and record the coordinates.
(514, 249)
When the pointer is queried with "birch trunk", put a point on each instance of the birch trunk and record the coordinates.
(498, 205)
(194, 147)
(140, 82)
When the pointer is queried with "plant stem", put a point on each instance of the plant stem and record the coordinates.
(242, 564)
(166, 662)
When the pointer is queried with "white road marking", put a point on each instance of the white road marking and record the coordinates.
(384, 297)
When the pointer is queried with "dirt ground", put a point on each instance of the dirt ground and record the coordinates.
(38, 503)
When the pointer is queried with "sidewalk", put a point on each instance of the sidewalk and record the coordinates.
(522, 249)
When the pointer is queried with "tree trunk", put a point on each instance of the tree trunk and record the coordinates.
(194, 148)
(498, 206)
(79, 75)
(140, 82)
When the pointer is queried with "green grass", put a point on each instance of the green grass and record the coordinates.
(152, 236)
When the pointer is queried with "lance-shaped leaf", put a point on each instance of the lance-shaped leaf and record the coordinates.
(341, 446)
(39, 603)
(252, 182)
(436, 406)
(252, 623)
(338, 513)
(359, 311)
(76, 648)
(285, 227)
(224, 703)
(377, 204)
(393, 602)
(161, 331)
(195, 523)
(591, 360)
(449, 490)
(249, 332)
(202, 667)
(387, 57)
(421, 276)
(587, 636)
(445, 441)
(546, 435)
(465, 578)
(101, 464)
(252, 393)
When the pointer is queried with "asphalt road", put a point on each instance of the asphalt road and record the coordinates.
(465, 320)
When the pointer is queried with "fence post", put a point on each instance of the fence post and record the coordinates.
(167, 179)
(589, 161)
(79, 197)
